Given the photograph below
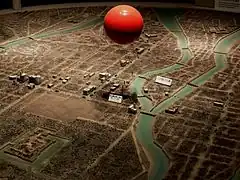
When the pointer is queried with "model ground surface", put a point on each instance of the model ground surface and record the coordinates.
(53, 131)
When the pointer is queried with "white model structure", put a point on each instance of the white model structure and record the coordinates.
(115, 98)
(163, 80)
(132, 109)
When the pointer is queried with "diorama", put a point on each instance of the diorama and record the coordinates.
(80, 103)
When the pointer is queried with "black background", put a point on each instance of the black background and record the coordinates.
(5, 4)
(46, 2)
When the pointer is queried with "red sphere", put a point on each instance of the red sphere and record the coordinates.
(123, 24)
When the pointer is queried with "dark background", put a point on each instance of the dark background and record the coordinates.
(45, 2)
(5, 4)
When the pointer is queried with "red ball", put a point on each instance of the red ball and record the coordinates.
(123, 24)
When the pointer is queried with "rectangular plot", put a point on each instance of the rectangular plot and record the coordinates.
(63, 107)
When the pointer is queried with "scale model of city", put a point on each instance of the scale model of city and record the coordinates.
(76, 106)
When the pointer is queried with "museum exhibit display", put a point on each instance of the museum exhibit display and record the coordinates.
(120, 90)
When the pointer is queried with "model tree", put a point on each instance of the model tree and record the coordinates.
(134, 97)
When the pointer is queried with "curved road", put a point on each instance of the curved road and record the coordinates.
(159, 160)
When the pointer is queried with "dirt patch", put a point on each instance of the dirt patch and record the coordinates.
(63, 107)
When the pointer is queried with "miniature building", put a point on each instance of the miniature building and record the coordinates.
(23, 78)
(89, 89)
(50, 85)
(219, 104)
(113, 88)
(171, 110)
(166, 93)
(116, 85)
(153, 35)
(68, 78)
(38, 80)
(102, 79)
(86, 91)
(91, 74)
(35, 79)
(123, 63)
(132, 109)
(145, 90)
(31, 86)
(139, 50)
(163, 80)
(31, 78)
(150, 35)
(147, 35)
(108, 75)
(12, 77)
(104, 75)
